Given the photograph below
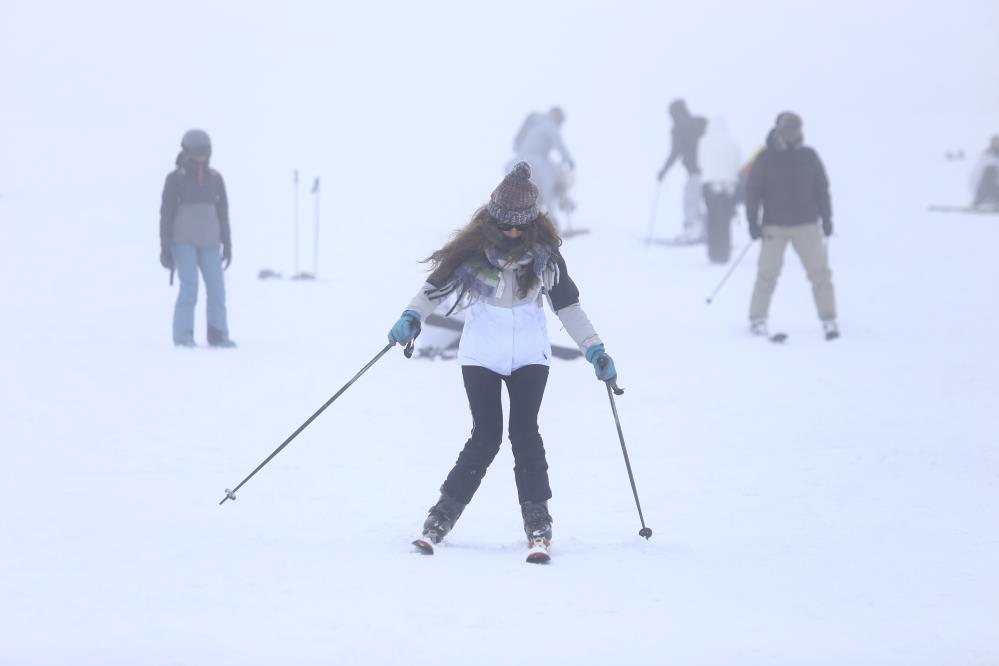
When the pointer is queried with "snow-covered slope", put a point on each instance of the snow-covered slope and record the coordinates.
(819, 503)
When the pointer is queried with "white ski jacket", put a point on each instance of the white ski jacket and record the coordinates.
(506, 332)
(718, 155)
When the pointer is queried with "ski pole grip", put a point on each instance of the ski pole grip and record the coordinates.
(408, 351)
(611, 383)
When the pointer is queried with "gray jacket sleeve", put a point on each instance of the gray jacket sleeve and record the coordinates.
(564, 301)
(578, 326)
(424, 304)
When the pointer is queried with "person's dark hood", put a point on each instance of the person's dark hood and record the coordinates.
(772, 140)
(678, 110)
(786, 120)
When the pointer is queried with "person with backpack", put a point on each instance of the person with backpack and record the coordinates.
(195, 234)
(686, 134)
(500, 267)
(789, 181)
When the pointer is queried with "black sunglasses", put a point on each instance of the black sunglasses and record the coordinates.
(507, 227)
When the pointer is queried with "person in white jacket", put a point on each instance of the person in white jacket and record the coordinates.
(985, 177)
(538, 142)
(501, 267)
(720, 161)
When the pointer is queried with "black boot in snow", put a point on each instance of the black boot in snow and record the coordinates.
(440, 519)
(538, 527)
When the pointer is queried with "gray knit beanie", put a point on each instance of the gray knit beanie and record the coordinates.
(515, 201)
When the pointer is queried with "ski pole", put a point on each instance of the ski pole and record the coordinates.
(731, 269)
(295, 221)
(612, 390)
(315, 234)
(408, 351)
(655, 211)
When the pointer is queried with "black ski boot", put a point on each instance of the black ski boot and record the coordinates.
(440, 519)
(538, 527)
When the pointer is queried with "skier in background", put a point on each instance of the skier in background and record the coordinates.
(788, 179)
(985, 177)
(537, 139)
(194, 233)
(720, 163)
(498, 267)
(686, 133)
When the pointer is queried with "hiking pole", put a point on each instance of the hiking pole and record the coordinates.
(408, 351)
(730, 271)
(612, 390)
(655, 210)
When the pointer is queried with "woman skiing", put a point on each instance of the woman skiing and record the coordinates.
(498, 267)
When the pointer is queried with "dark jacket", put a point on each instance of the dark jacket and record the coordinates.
(791, 184)
(687, 132)
(194, 208)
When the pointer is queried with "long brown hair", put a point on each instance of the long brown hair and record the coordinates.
(481, 231)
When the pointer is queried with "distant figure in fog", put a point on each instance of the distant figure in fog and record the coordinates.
(686, 133)
(788, 180)
(537, 141)
(720, 163)
(194, 233)
(985, 177)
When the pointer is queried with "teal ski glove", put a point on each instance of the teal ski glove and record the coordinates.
(407, 328)
(603, 364)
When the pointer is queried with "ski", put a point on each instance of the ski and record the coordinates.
(679, 241)
(933, 208)
(424, 545)
(448, 353)
(538, 551)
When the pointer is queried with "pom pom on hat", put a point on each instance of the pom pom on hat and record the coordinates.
(515, 200)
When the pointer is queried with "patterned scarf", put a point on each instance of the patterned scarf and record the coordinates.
(481, 275)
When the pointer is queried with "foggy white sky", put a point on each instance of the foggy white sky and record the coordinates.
(417, 102)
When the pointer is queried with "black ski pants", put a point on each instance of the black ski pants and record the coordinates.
(721, 210)
(526, 387)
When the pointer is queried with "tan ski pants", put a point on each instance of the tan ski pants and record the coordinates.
(810, 246)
